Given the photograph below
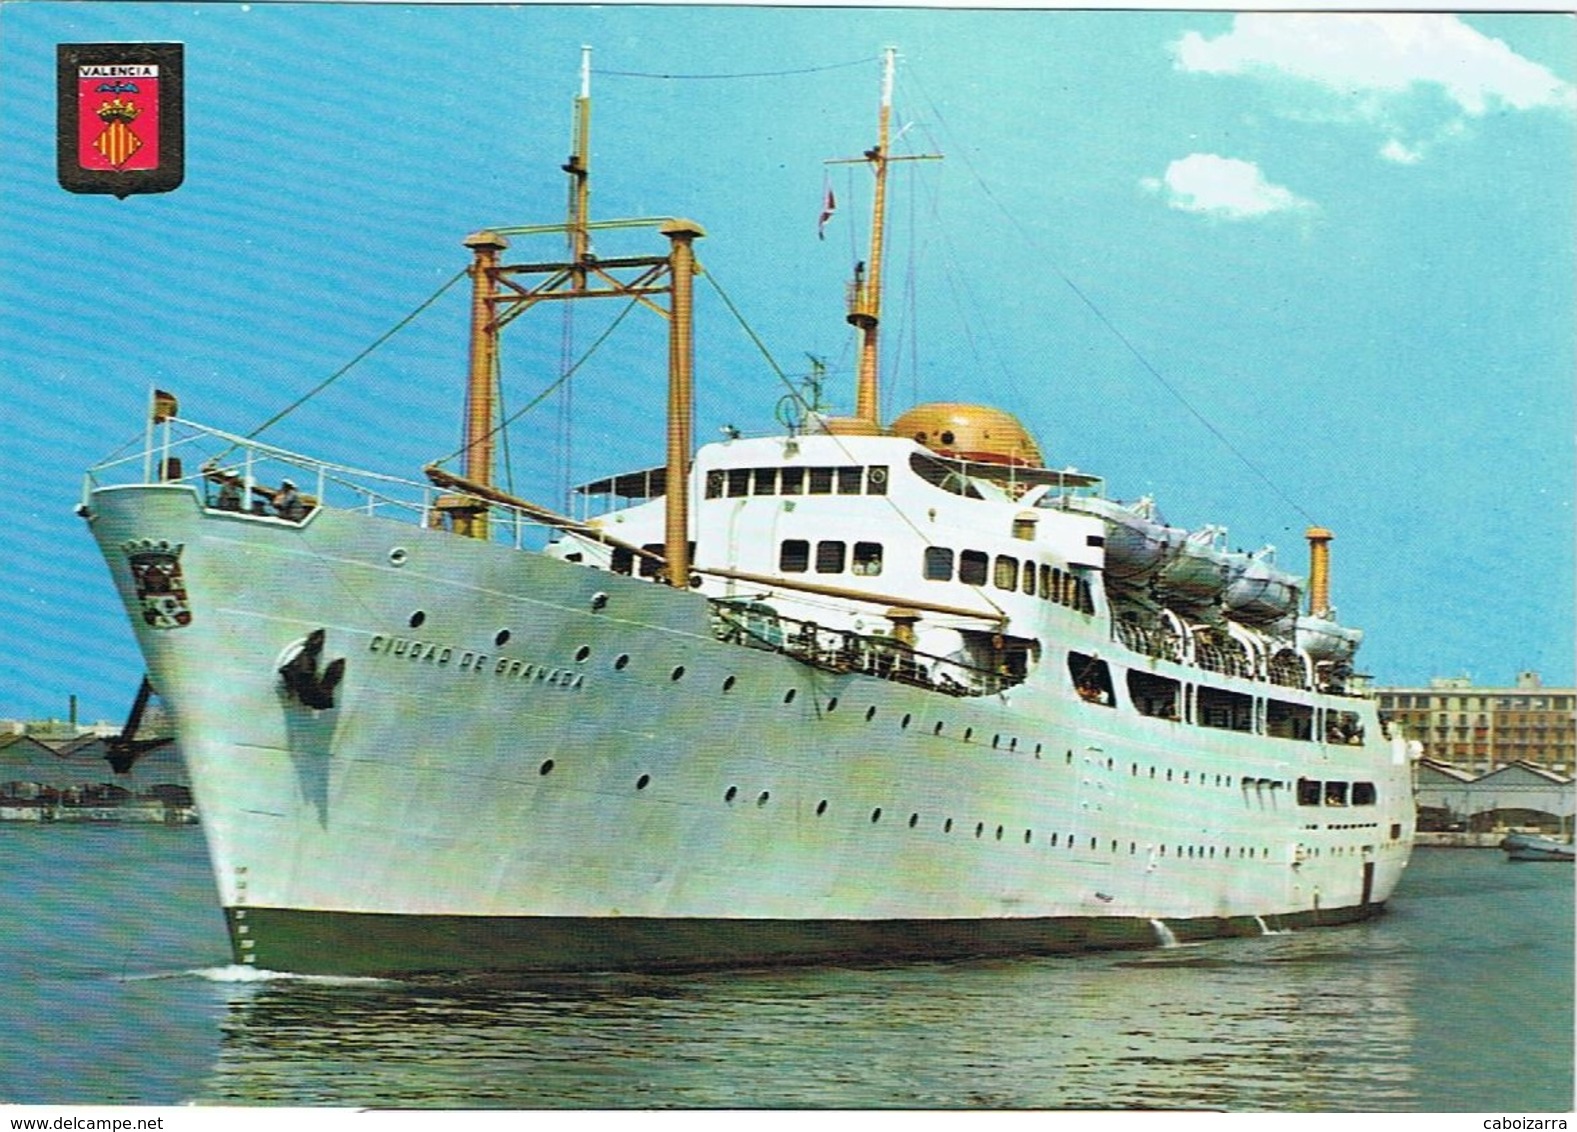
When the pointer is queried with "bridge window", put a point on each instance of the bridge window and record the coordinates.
(821, 481)
(829, 556)
(867, 559)
(792, 482)
(738, 482)
(766, 481)
(1007, 572)
(939, 563)
(794, 556)
(972, 567)
(850, 480)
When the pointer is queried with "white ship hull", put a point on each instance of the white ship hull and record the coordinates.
(535, 803)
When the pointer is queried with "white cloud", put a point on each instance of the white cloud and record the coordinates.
(1400, 152)
(1226, 187)
(1373, 53)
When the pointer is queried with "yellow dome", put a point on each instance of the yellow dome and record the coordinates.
(969, 432)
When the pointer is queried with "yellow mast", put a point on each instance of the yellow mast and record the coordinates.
(865, 292)
(865, 304)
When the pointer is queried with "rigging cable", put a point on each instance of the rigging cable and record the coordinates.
(344, 369)
(1117, 333)
(547, 392)
(740, 74)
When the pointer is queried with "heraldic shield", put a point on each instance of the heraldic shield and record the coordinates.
(156, 574)
(120, 118)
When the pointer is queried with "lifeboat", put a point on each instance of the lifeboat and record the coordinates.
(1199, 571)
(1138, 541)
(1327, 642)
(1257, 593)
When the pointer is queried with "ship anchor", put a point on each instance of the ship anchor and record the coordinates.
(302, 678)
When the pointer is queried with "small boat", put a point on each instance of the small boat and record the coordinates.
(1535, 847)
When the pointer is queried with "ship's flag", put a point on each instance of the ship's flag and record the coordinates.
(165, 405)
(829, 206)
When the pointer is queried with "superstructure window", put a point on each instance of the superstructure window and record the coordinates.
(1335, 793)
(1006, 572)
(939, 564)
(1092, 679)
(867, 560)
(972, 567)
(850, 480)
(1157, 696)
(623, 560)
(830, 555)
(1028, 580)
(1308, 792)
(650, 566)
(792, 482)
(1363, 793)
(1289, 721)
(821, 481)
(1343, 727)
(766, 481)
(1228, 711)
(794, 556)
(876, 480)
(738, 482)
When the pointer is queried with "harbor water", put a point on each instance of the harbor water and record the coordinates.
(118, 989)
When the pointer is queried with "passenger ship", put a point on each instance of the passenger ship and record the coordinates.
(857, 691)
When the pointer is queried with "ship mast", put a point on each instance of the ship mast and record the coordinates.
(865, 292)
(498, 297)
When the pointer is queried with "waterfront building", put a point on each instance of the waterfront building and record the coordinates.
(1516, 796)
(1480, 728)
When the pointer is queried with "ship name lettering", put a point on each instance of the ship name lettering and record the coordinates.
(505, 667)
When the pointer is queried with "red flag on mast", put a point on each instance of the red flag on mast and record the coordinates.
(827, 209)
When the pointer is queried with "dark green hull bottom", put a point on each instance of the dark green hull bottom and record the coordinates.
(355, 943)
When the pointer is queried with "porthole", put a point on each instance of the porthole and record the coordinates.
(821, 807)
(1054, 841)
(914, 820)
(582, 653)
(870, 713)
(968, 733)
(1092, 843)
(546, 768)
(1037, 750)
(398, 556)
(832, 705)
(417, 618)
(996, 741)
(1068, 760)
(620, 661)
(728, 683)
(937, 729)
(731, 793)
(501, 638)
(947, 826)
(876, 815)
(643, 781)
(761, 799)
(904, 723)
(999, 833)
(788, 696)
(677, 673)
(1029, 836)
(1013, 743)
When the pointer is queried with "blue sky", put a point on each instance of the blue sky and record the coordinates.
(1270, 269)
